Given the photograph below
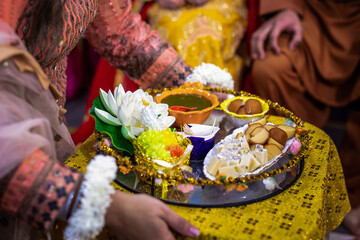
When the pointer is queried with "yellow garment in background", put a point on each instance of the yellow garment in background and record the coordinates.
(210, 33)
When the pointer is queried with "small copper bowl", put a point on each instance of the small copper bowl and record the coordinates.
(182, 117)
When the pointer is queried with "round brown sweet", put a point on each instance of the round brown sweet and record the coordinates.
(278, 135)
(234, 105)
(290, 131)
(259, 136)
(269, 126)
(251, 128)
(241, 111)
(253, 106)
(272, 151)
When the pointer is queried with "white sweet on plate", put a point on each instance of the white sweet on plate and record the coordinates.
(233, 157)
(249, 162)
(215, 164)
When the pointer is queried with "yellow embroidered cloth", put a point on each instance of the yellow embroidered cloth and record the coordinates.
(313, 206)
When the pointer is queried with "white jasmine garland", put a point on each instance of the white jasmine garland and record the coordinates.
(87, 221)
(208, 73)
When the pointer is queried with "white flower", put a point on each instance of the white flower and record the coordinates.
(270, 183)
(155, 117)
(208, 73)
(136, 112)
(110, 101)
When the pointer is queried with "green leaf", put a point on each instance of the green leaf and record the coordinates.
(131, 179)
(222, 178)
(113, 131)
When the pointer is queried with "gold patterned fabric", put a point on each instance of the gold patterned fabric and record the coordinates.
(209, 33)
(314, 205)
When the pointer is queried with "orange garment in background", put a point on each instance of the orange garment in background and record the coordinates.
(326, 62)
(322, 72)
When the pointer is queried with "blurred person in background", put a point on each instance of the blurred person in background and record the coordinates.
(307, 58)
(203, 31)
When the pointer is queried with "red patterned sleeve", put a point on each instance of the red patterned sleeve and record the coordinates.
(128, 43)
(39, 190)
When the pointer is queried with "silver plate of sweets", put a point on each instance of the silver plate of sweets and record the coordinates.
(251, 163)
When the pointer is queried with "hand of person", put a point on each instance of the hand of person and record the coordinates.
(143, 217)
(352, 221)
(286, 20)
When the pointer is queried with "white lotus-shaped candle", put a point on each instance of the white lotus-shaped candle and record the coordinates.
(136, 112)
